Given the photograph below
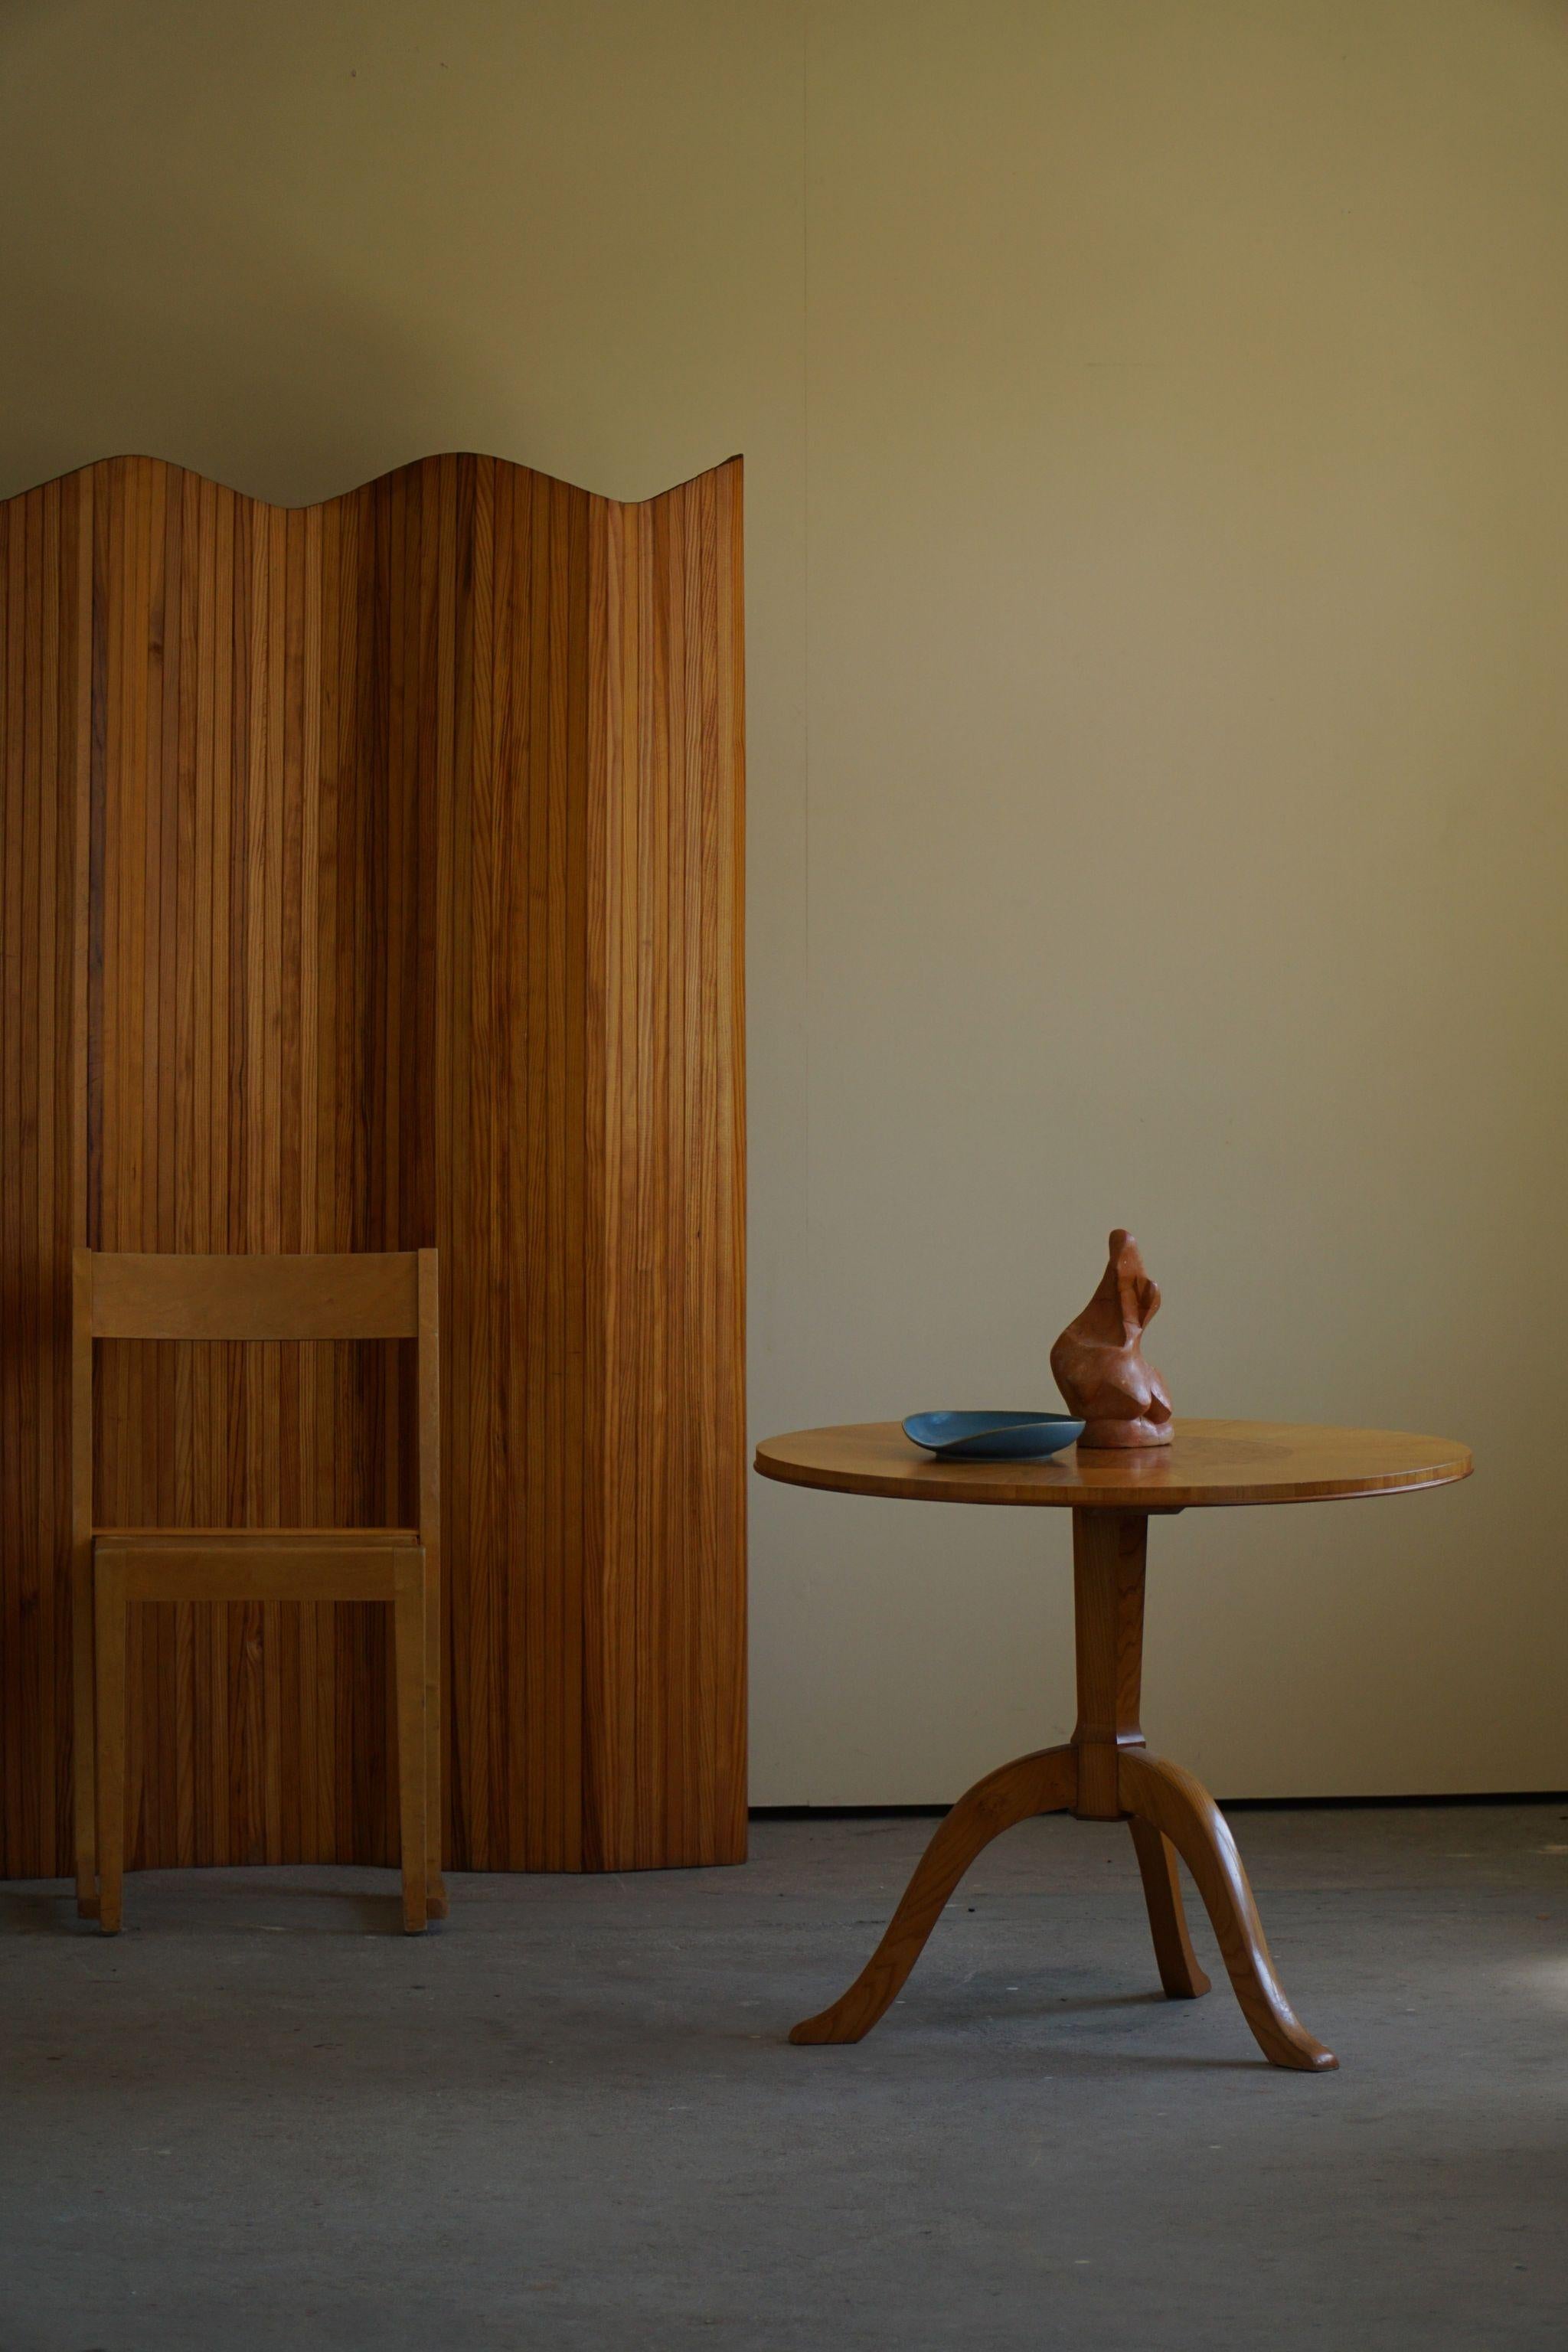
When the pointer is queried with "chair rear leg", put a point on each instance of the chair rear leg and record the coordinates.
(408, 1669)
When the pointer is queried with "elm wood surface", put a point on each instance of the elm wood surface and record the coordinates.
(324, 1297)
(1098, 1364)
(370, 878)
(293, 1570)
(147, 1296)
(1207, 1464)
(1174, 1955)
(1104, 1772)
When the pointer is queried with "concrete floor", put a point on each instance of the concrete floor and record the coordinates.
(570, 2118)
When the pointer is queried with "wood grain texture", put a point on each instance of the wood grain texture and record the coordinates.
(371, 876)
(1208, 1463)
(1179, 1974)
(323, 1296)
(1046, 1782)
(1103, 1773)
(195, 1296)
(1109, 1559)
(1172, 1801)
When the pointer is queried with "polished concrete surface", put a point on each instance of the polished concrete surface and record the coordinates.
(570, 2118)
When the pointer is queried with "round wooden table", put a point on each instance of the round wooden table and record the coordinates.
(1104, 1773)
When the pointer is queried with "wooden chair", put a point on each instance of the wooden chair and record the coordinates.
(125, 1296)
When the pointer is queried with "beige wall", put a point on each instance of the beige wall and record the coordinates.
(1158, 595)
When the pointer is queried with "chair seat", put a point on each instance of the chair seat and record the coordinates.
(164, 1539)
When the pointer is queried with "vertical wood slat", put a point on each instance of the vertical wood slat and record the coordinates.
(370, 877)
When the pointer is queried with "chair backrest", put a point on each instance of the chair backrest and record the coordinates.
(342, 1295)
(348, 1296)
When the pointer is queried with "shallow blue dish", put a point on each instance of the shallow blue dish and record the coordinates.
(993, 1436)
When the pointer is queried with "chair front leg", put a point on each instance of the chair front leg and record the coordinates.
(408, 1673)
(435, 1884)
(84, 1734)
(109, 1617)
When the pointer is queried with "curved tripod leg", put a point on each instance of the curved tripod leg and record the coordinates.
(1179, 1971)
(1046, 1782)
(1181, 1809)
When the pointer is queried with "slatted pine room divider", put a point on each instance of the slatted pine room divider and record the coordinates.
(370, 879)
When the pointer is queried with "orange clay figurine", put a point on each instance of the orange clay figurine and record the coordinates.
(1098, 1364)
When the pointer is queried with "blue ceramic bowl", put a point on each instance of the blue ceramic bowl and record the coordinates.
(993, 1436)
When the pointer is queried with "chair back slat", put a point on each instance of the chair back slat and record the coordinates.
(357, 1294)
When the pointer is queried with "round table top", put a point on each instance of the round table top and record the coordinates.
(1207, 1463)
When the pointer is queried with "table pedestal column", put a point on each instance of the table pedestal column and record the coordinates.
(1103, 1773)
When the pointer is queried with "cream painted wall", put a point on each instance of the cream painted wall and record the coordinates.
(1157, 495)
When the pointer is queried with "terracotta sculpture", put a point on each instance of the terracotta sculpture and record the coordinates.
(1098, 1362)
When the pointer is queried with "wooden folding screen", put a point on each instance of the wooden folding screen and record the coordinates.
(372, 879)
